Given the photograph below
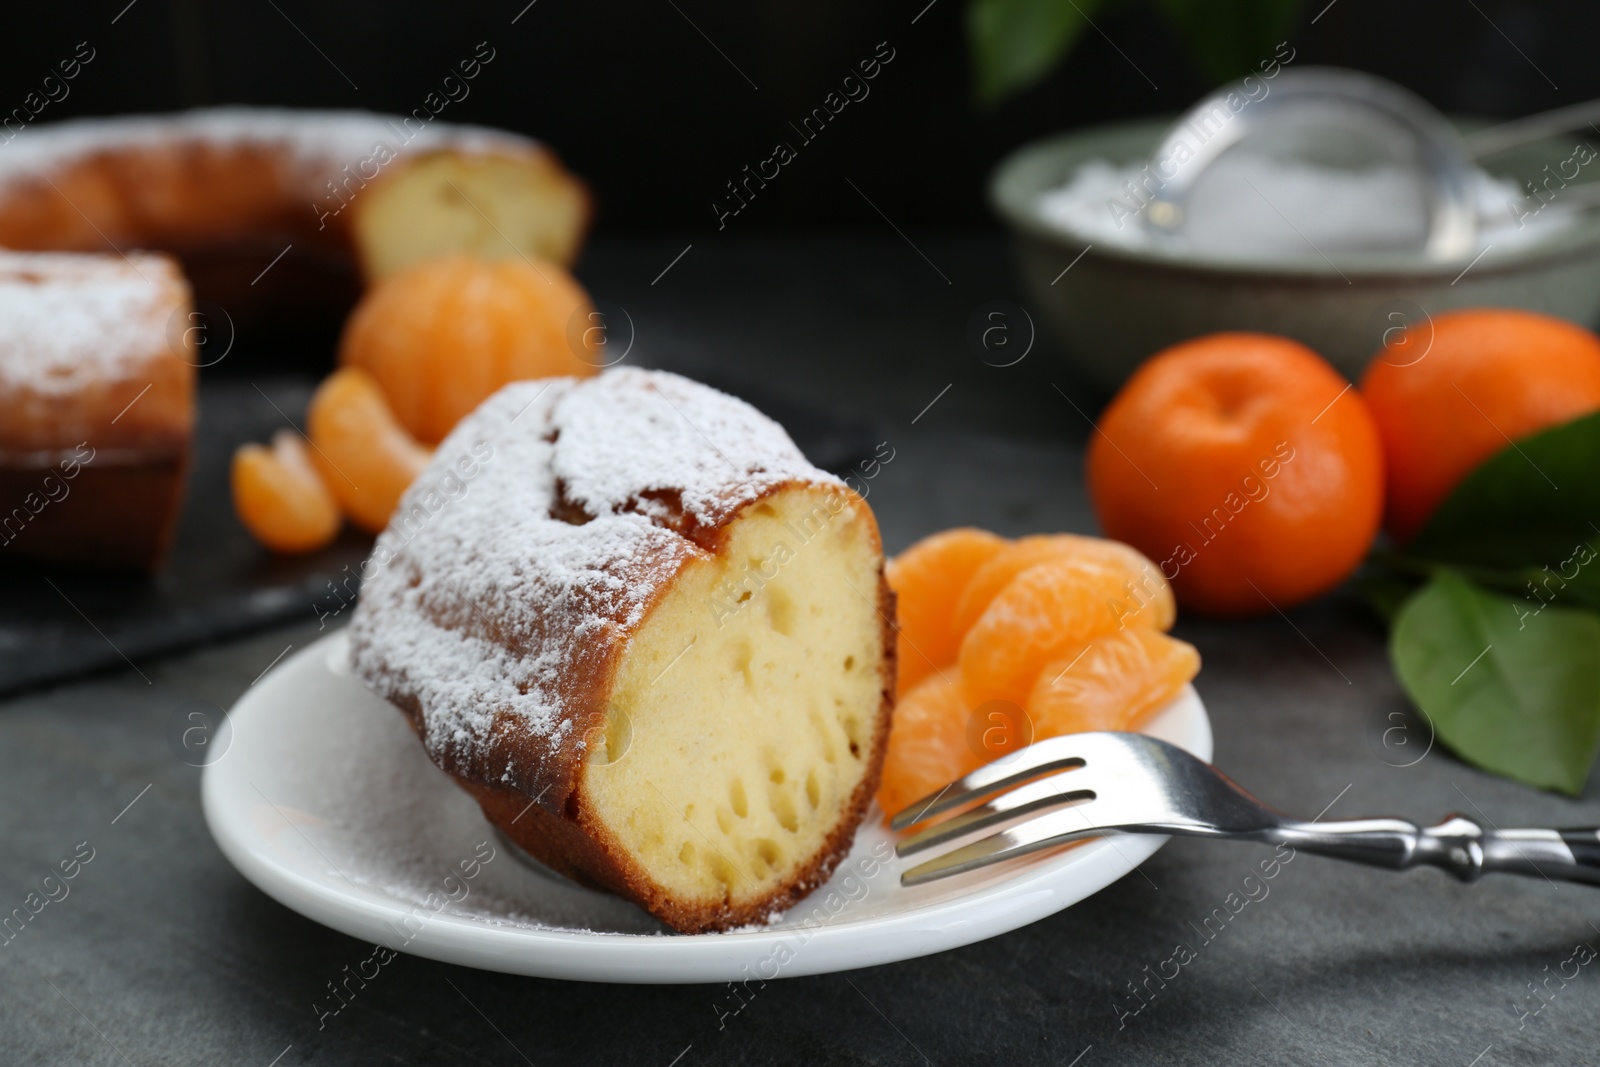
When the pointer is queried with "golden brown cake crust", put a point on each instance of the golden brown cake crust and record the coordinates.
(114, 511)
(498, 621)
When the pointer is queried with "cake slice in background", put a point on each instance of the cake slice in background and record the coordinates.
(648, 636)
(97, 388)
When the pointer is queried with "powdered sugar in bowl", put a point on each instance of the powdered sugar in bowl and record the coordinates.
(1329, 243)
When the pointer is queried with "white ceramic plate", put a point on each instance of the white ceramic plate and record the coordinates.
(324, 799)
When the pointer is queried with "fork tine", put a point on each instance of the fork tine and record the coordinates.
(1052, 754)
(1054, 791)
(1045, 831)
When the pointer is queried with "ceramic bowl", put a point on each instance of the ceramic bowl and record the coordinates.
(1115, 306)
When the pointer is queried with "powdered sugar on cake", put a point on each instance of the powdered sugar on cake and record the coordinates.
(78, 319)
(541, 533)
(319, 141)
(632, 432)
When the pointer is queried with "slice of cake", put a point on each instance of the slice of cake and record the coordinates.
(97, 383)
(651, 639)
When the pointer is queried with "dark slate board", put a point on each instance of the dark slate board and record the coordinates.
(218, 583)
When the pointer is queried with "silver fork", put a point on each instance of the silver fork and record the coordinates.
(1093, 784)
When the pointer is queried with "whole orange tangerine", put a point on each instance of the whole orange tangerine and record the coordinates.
(1245, 466)
(1490, 377)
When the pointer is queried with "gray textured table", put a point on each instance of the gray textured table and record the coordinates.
(161, 953)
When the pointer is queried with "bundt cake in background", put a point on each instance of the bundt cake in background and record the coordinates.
(352, 195)
(649, 637)
(280, 219)
(623, 612)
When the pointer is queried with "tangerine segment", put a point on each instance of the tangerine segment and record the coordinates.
(927, 579)
(928, 743)
(1143, 583)
(366, 458)
(279, 496)
(1047, 611)
(1111, 683)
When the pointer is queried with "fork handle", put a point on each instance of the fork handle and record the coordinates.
(1458, 844)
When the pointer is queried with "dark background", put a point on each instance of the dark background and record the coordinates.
(647, 110)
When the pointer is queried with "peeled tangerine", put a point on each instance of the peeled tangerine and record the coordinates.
(1142, 582)
(443, 334)
(927, 579)
(1044, 613)
(366, 457)
(928, 742)
(280, 498)
(1112, 683)
(1068, 628)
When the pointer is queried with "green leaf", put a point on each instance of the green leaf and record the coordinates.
(1515, 694)
(1231, 38)
(1017, 42)
(1534, 503)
